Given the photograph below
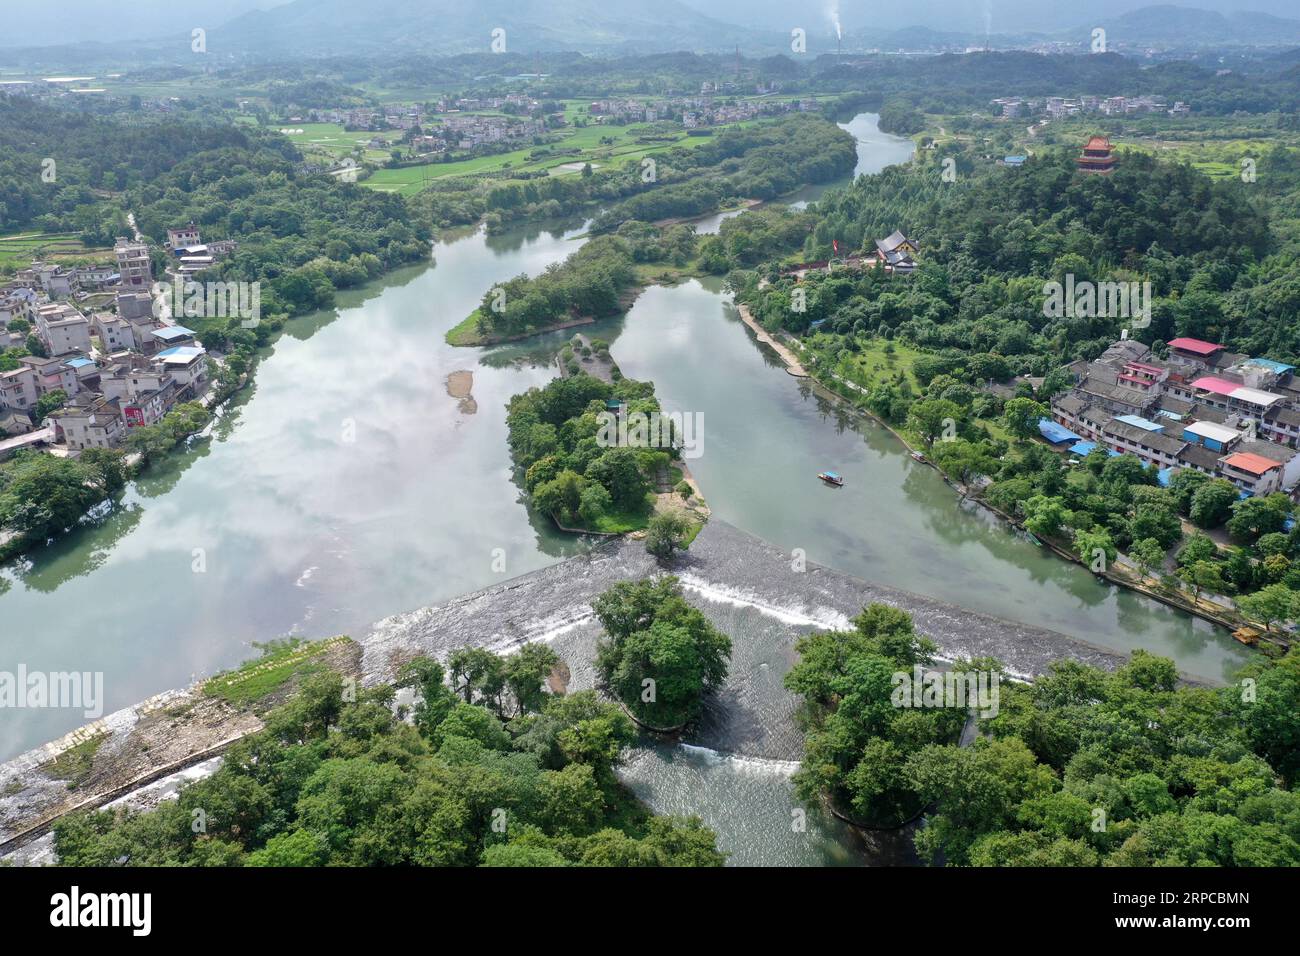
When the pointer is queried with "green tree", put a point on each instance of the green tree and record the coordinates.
(1021, 417)
(1045, 516)
(1272, 604)
(1202, 575)
(1148, 553)
(666, 535)
(1211, 503)
(50, 402)
(526, 671)
(1095, 548)
(933, 418)
(659, 656)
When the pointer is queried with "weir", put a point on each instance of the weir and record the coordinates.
(747, 587)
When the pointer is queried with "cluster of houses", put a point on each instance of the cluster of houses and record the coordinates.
(119, 368)
(1202, 407)
(367, 119)
(1059, 107)
(692, 112)
(472, 129)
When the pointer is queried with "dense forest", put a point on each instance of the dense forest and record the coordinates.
(589, 283)
(301, 234)
(991, 240)
(1080, 768)
(90, 156)
(566, 462)
(490, 770)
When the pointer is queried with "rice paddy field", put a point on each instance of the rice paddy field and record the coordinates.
(21, 248)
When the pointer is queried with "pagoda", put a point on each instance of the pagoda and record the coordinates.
(1096, 156)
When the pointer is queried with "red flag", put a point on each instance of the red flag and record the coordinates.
(835, 244)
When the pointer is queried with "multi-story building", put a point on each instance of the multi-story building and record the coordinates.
(1096, 156)
(133, 264)
(51, 374)
(18, 389)
(89, 422)
(183, 236)
(115, 334)
(144, 392)
(188, 367)
(63, 329)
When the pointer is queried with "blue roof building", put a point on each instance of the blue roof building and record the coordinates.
(1139, 422)
(1054, 433)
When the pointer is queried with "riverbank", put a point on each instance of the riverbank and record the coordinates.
(792, 364)
(1115, 573)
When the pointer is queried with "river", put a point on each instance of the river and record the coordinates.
(348, 485)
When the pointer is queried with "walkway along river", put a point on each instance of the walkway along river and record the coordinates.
(350, 485)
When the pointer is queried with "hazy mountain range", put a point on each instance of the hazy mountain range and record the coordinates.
(265, 29)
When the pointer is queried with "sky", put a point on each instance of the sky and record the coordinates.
(997, 16)
(46, 22)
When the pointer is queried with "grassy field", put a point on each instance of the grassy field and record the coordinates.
(280, 662)
(335, 141)
(21, 248)
(874, 365)
(562, 158)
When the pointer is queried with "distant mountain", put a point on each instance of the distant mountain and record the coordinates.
(319, 27)
(35, 23)
(1187, 26)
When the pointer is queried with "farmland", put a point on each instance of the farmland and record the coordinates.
(21, 248)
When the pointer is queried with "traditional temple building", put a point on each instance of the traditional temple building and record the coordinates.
(1096, 156)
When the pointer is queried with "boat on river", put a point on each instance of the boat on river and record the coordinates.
(831, 478)
(917, 456)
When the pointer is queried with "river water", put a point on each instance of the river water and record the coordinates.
(348, 485)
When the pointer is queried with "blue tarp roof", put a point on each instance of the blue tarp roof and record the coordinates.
(172, 332)
(1013, 160)
(1278, 367)
(1139, 422)
(181, 351)
(1055, 433)
(1085, 447)
(1163, 477)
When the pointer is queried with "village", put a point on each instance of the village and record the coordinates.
(86, 376)
(1059, 107)
(1201, 407)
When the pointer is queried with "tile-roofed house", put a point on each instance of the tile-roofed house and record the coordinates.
(1148, 445)
(1124, 351)
(1199, 458)
(1116, 397)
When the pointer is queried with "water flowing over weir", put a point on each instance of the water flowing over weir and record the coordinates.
(733, 767)
(748, 588)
